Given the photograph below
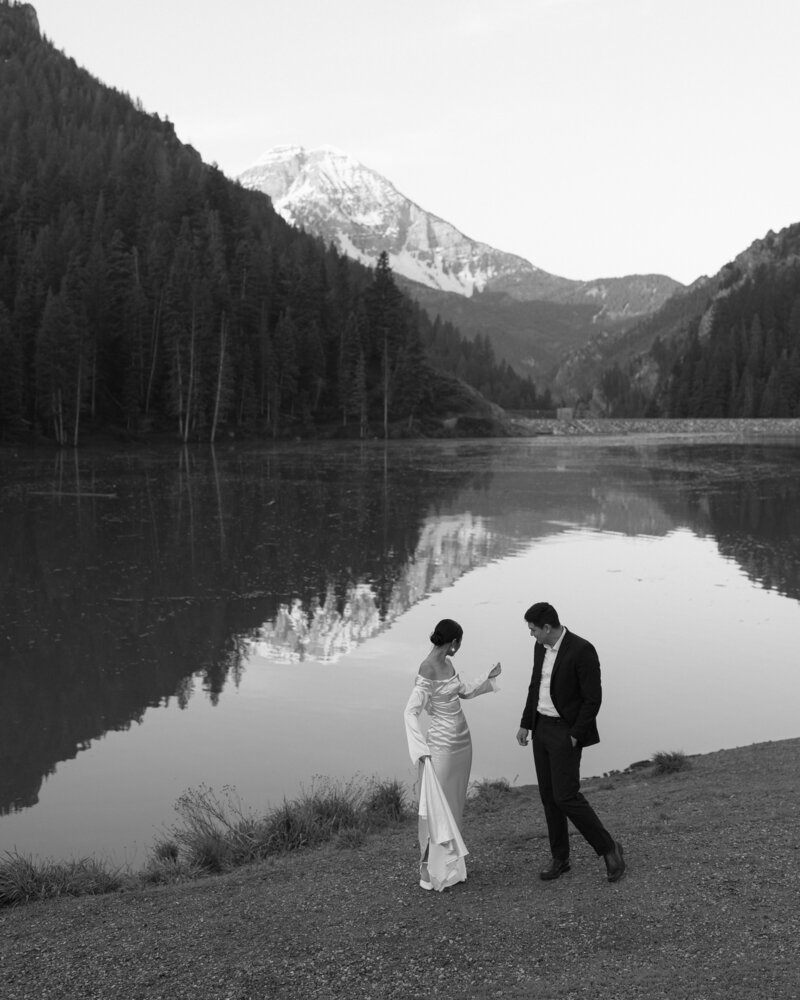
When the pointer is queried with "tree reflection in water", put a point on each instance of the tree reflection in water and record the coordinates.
(125, 576)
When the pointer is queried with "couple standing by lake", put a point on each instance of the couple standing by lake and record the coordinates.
(560, 714)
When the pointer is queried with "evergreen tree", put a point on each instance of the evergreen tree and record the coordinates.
(10, 374)
(387, 330)
(284, 371)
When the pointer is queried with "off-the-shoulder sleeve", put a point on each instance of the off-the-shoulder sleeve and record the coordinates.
(471, 689)
(417, 747)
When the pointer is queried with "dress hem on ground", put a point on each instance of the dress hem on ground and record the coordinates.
(439, 831)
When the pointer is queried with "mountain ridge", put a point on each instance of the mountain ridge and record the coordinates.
(334, 196)
(739, 328)
(331, 194)
(533, 318)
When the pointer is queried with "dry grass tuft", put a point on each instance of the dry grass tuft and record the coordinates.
(23, 880)
(670, 762)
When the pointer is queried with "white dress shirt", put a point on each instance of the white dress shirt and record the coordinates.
(546, 706)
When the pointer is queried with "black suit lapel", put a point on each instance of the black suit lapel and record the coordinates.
(538, 663)
(561, 650)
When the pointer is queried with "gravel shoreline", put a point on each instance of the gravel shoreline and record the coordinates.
(707, 910)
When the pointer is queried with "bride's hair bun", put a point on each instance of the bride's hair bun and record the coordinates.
(446, 631)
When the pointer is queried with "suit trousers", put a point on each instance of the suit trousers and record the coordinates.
(558, 772)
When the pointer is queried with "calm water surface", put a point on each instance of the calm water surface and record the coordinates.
(254, 618)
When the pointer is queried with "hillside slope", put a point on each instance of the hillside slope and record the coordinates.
(723, 341)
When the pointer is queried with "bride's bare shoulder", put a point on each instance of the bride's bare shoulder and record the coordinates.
(425, 670)
(433, 671)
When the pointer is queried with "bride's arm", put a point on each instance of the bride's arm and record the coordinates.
(417, 747)
(471, 689)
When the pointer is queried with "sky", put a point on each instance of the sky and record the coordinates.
(595, 138)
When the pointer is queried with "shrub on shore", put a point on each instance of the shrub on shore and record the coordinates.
(668, 762)
(488, 794)
(216, 833)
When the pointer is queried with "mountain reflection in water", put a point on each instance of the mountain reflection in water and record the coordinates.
(135, 581)
(448, 547)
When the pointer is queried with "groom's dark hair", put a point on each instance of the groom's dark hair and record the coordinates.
(541, 614)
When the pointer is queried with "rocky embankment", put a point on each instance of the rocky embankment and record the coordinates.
(611, 427)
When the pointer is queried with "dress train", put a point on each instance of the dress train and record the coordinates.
(439, 832)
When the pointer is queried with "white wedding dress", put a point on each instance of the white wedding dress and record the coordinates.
(449, 745)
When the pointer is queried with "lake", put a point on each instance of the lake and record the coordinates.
(252, 617)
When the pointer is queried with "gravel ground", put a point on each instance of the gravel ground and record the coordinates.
(707, 911)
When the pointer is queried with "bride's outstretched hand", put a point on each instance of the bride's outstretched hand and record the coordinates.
(495, 670)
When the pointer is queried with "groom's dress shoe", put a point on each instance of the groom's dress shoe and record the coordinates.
(554, 869)
(615, 864)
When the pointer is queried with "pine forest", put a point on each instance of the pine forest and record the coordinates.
(142, 291)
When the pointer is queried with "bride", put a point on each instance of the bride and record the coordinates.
(444, 757)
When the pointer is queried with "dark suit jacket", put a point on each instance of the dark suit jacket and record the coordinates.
(574, 687)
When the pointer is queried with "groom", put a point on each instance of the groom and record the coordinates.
(563, 701)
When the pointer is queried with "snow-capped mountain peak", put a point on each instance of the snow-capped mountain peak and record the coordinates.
(331, 194)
